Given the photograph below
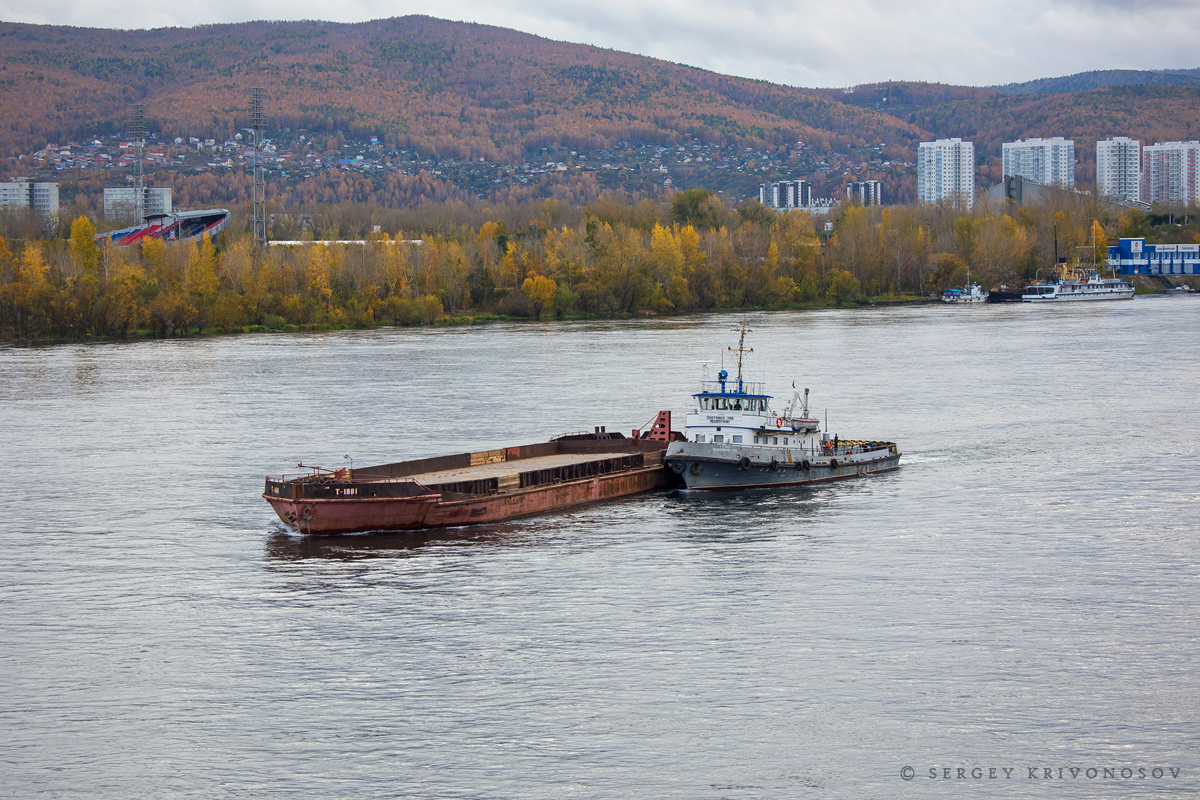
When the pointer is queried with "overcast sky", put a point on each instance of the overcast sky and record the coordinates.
(797, 42)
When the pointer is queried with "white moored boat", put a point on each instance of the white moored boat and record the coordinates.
(1091, 287)
(972, 293)
(735, 440)
(1071, 284)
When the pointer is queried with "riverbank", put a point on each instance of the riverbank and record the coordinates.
(1153, 284)
(459, 320)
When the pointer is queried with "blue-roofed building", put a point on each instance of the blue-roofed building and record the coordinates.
(1135, 257)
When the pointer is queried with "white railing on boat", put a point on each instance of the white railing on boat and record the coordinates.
(730, 387)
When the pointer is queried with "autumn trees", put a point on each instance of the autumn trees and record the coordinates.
(615, 257)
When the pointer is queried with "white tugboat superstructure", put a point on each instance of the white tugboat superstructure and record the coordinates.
(734, 439)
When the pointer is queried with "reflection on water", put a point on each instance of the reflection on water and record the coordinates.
(290, 546)
(708, 515)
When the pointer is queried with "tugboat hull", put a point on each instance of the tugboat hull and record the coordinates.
(724, 470)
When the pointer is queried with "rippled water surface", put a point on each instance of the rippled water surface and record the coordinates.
(1022, 593)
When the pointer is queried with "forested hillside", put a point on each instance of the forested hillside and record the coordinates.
(414, 109)
(1103, 79)
(457, 89)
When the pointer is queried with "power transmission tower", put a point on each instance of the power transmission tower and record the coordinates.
(259, 194)
(137, 132)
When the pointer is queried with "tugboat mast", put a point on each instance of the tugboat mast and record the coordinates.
(741, 350)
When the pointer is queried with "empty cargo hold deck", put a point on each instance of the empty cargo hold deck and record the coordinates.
(499, 469)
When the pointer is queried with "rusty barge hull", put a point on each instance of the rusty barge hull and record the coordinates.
(328, 516)
(470, 488)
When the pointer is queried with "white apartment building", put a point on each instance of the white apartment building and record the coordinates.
(121, 203)
(867, 193)
(1171, 173)
(1050, 162)
(23, 193)
(785, 194)
(1119, 168)
(946, 170)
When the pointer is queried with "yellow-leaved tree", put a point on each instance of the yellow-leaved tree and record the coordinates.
(83, 246)
(540, 291)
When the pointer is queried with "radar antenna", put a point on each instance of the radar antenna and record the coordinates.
(741, 350)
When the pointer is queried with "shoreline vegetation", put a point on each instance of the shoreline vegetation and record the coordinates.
(616, 258)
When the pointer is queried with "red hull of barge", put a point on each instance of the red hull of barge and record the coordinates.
(327, 516)
(475, 488)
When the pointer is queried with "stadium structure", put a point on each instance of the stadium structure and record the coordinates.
(177, 226)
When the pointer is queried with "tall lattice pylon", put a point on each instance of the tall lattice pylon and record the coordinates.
(259, 193)
(137, 135)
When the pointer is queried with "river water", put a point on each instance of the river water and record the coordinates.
(1021, 595)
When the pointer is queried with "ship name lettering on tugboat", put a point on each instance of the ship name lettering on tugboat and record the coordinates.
(720, 420)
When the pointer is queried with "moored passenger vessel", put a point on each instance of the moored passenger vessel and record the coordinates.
(735, 440)
(1089, 287)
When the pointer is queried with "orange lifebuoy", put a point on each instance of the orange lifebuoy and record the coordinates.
(779, 422)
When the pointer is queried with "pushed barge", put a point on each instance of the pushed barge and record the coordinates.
(735, 441)
(473, 488)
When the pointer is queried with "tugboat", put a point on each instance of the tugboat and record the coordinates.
(734, 440)
(971, 293)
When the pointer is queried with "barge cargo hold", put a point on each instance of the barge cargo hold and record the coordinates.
(474, 488)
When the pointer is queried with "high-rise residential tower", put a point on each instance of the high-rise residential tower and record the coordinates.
(781, 195)
(867, 193)
(1171, 173)
(1119, 168)
(946, 170)
(1050, 162)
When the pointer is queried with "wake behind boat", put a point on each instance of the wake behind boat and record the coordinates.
(734, 440)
